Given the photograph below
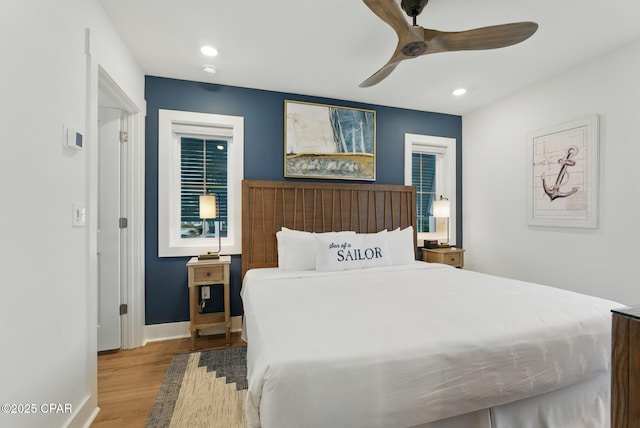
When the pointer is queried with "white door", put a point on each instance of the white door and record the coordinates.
(109, 230)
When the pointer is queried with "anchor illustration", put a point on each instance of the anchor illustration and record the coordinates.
(553, 191)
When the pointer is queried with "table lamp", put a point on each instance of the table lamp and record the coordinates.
(441, 209)
(208, 210)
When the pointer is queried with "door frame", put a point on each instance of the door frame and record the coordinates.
(132, 286)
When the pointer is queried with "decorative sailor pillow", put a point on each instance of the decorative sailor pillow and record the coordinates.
(362, 250)
(297, 249)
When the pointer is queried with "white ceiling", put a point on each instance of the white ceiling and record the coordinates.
(326, 48)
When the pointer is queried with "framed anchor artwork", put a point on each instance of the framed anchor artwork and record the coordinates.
(562, 175)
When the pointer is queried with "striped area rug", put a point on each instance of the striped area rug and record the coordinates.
(203, 389)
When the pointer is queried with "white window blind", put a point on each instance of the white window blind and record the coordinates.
(203, 168)
(423, 177)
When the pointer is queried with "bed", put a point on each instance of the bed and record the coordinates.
(403, 343)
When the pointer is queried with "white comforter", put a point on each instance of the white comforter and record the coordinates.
(406, 345)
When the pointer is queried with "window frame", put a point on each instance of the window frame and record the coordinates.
(445, 150)
(172, 124)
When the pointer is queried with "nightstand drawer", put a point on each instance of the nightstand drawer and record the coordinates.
(453, 259)
(448, 256)
(208, 274)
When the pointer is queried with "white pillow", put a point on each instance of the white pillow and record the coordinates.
(290, 240)
(297, 249)
(401, 246)
(362, 250)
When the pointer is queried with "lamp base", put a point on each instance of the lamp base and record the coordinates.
(209, 256)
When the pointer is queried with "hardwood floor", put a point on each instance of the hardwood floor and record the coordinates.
(129, 380)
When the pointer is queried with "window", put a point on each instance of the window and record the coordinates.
(423, 177)
(430, 166)
(199, 152)
(203, 169)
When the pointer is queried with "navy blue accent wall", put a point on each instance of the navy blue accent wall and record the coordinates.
(167, 296)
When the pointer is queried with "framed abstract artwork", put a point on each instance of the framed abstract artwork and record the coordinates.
(325, 141)
(562, 175)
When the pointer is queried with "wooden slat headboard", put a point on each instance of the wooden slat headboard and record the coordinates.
(317, 207)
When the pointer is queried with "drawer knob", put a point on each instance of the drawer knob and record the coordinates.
(208, 273)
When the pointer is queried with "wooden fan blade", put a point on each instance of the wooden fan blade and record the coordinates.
(379, 75)
(412, 36)
(496, 36)
(389, 11)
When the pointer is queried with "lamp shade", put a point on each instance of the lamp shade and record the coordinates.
(441, 208)
(208, 206)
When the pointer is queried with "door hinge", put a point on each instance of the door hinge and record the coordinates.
(123, 309)
(124, 136)
(123, 222)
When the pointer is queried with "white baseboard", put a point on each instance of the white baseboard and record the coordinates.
(179, 330)
(86, 413)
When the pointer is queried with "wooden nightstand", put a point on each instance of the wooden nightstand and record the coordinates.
(625, 367)
(448, 256)
(208, 272)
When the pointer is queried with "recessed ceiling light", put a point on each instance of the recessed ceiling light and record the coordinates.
(209, 51)
(209, 69)
(458, 92)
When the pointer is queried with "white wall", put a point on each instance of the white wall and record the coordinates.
(47, 285)
(602, 261)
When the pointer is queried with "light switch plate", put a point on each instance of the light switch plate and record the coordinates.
(78, 214)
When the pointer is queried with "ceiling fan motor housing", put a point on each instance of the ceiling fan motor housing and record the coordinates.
(414, 49)
(413, 8)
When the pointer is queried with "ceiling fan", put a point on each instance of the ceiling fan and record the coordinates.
(415, 41)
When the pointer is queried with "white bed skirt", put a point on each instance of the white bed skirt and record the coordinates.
(583, 405)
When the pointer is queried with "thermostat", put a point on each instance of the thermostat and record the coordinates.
(73, 140)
